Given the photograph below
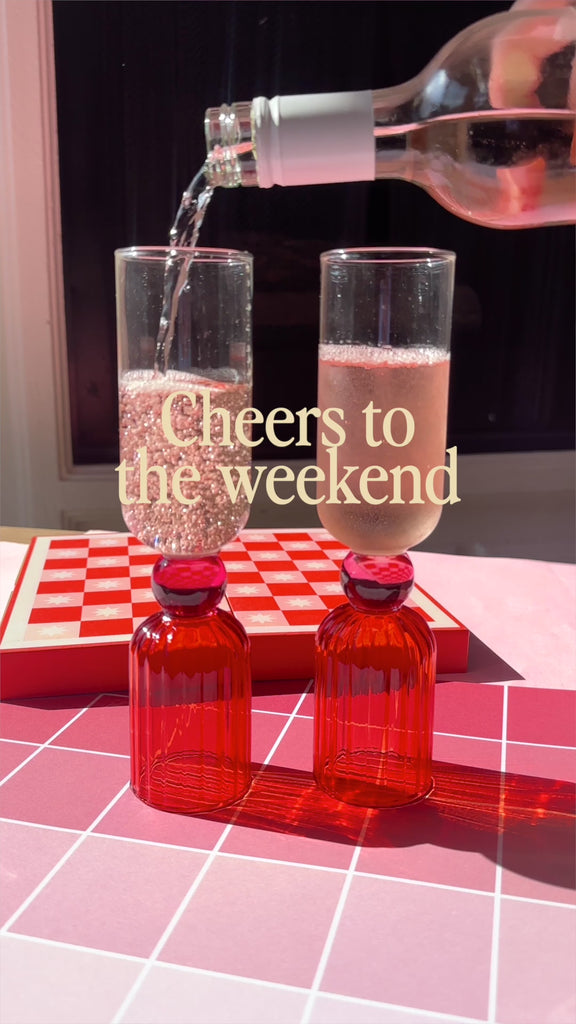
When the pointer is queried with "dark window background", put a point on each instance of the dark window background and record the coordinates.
(133, 81)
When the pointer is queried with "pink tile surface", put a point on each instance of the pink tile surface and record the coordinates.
(112, 896)
(63, 787)
(170, 994)
(539, 842)
(468, 709)
(542, 716)
(295, 848)
(13, 754)
(260, 915)
(284, 700)
(541, 763)
(414, 945)
(284, 910)
(431, 842)
(28, 854)
(105, 726)
(536, 980)
(330, 1010)
(464, 750)
(37, 720)
(45, 983)
(131, 818)
(296, 747)
(265, 731)
(286, 817)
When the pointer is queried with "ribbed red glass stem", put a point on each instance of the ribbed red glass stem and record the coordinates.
(374, 692)
(190, 694)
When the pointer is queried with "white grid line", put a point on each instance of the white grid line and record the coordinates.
(40, 940)
(327, 949)
(36, 824)
(260, 982)
(309, 718)
(49, 740)
(58, 746)
(296, 864)
(135, 988)
(495, 949)
(48, 878)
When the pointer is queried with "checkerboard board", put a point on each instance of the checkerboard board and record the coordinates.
(79, 599)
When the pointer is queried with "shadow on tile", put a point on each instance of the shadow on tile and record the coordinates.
(484, 666)
(468, 810)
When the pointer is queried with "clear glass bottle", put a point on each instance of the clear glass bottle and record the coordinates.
(487, 128)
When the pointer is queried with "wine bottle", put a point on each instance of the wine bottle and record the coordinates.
(487, 128)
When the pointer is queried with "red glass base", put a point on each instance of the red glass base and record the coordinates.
(375, 673)
(190, 694)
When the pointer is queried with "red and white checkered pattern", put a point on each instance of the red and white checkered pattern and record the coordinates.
(91, 592)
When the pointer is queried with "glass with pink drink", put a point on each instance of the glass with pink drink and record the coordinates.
(383, 385)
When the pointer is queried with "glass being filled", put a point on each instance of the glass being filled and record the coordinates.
(384, 361)
(184, 343)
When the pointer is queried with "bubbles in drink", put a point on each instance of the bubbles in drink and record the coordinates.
(350, 377)
(165, 507)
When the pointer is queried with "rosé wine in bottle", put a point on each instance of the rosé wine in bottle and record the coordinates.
(350, 377)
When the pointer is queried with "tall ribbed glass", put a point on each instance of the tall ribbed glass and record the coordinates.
(375, 673)
(185, 360)
(383, 372)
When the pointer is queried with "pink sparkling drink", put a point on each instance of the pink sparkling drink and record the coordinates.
(182, 450)
(383, 392)
(186, 507)
(416, 379)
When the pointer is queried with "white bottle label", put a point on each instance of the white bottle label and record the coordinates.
(314, 139)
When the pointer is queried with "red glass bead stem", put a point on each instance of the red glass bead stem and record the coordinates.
(375, 672)
(190, 687)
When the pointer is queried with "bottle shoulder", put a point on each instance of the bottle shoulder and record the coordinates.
(516, 60)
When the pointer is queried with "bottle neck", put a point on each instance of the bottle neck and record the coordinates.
(230, 144)
(392, 125)
(292, 140)
(303, 140)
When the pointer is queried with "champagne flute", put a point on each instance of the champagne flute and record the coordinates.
(383, 373)
(185, 360)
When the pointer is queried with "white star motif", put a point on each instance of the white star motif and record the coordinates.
(140, 570)
(260, 617)
(331, 588)
(285, 577)
(144, 595)
(109, 612)
(298, 545)
(67, 553)
(311, 566)
(337, 553)
(58, 599)
(238, 566)
(109, 584)
(102, 562)
(258, 537)
(61, 574)
(246, 591)
(300, 602)
(269, 556)
(52, 631)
